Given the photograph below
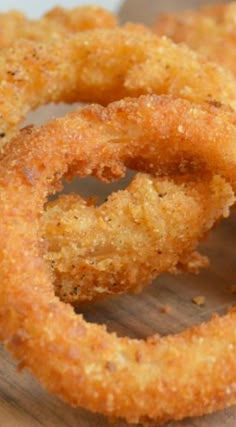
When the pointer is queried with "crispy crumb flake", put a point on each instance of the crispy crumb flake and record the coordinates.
(167, 309)
(200, 300)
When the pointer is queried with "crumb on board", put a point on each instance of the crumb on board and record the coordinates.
(166, 309)
(233, 289)
(199, 300)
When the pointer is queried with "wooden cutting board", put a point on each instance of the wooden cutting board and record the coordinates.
(145, 11)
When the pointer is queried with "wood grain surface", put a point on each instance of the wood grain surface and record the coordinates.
(23, 403)
(145, 11)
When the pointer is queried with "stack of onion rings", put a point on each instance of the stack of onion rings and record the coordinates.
(190, 143)
(88, 266)
(35, 76)
(154, 380)
(103, 66)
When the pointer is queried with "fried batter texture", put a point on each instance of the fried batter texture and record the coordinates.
(89, 266)
(129, 249)
(103, 66)
(209, 31)
(160, 379)
(14, 25)
(37, 73)
(149, 228)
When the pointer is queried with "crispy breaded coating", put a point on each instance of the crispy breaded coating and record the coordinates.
(42, 76)
(138, 233)
(209, 31)
(58, 21)
(160, 379)
(102, 66)
(82, 18)
(169, 134)
(176, 136)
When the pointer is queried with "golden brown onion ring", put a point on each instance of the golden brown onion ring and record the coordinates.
(209, 31)
(43, 70)
(192, 139)
(102, 66)
(188, 374)
(58, 21)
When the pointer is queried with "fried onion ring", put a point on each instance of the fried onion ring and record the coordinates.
(58, 21)
(102, 66)
(89, 267)
(188, 374)
(176, 71)
(209, 31)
